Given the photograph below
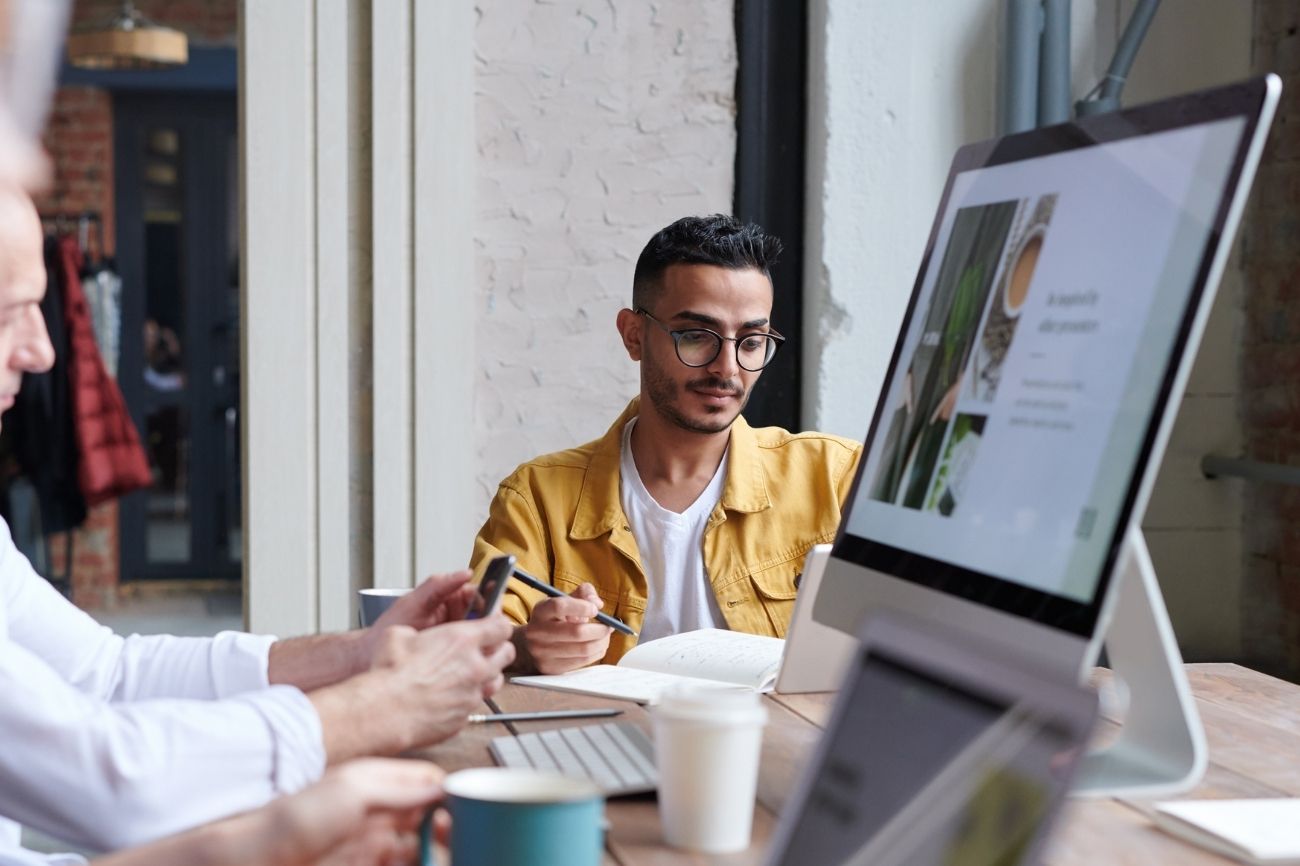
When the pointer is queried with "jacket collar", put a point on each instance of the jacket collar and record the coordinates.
(600, 508)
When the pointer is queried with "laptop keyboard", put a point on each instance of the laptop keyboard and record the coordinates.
(617, 756)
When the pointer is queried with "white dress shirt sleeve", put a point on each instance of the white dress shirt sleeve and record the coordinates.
(109, 742)
(108, 775)
(93, 659)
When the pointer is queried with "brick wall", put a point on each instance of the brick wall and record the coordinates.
(1271, 358)
(1193, 525)
(79, 138)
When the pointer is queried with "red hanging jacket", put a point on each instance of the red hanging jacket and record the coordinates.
(113, 463)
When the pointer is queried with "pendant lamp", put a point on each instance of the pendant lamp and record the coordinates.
(128, 41)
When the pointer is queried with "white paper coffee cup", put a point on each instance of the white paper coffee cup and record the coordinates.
(707, 746)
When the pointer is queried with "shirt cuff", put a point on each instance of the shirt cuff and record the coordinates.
(241, 662)
(296, 731)
(24, 857)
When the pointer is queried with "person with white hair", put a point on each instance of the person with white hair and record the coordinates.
(112, 741)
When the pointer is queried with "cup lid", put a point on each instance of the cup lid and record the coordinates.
(724, 705)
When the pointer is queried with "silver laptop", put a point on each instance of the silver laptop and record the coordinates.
(815, 655)
(938, 751)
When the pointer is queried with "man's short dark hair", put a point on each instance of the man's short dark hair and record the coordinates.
(718, 239)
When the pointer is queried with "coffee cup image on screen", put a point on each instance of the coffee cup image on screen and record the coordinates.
(1014, 282)
(919, 424)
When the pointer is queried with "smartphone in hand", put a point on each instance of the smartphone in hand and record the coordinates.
(492, 588)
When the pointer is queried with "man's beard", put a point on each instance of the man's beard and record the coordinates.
(663, 393)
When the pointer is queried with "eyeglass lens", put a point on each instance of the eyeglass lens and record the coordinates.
(696, 348)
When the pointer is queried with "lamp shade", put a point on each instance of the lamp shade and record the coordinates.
(129, 41)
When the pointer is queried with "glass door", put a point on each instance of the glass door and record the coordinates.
(177, 246)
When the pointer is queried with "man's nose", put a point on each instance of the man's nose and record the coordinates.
(35, 354)
(724, 364)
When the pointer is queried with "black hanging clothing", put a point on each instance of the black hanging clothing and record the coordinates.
(41, 420)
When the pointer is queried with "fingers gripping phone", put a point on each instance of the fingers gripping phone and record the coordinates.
(492, 588)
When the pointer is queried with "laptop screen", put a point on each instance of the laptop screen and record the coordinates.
(924, 767)
(1063, 278)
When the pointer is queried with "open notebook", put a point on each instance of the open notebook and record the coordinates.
(708, 657)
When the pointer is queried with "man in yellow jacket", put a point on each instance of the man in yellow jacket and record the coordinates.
(681, 516)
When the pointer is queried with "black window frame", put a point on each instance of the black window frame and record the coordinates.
(770, 178)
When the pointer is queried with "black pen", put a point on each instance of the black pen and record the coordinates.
(480, 718)
(604, 619)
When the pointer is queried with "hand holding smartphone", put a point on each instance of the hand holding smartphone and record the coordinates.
(492, 588)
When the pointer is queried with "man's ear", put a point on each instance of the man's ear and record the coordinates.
(630, 329)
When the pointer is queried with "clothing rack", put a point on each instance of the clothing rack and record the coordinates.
(66, 220)
(78, 223)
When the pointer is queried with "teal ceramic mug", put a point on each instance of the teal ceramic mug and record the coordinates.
(508, 817)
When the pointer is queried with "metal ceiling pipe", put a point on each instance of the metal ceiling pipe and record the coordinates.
(1054, 64)
(1112, 86)
(1024, 29)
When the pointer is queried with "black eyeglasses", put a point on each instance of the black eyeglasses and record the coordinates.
(697, 347)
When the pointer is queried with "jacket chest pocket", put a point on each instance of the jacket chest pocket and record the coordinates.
(620, 602)
(775, 588)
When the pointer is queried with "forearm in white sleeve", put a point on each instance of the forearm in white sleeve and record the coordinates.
(89, 657)
(109, 775)
(163, 666)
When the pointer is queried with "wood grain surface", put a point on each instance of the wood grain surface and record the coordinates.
(1252, 724)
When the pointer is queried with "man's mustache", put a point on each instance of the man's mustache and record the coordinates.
(713, 383)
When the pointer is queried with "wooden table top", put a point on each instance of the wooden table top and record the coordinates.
(1252, 724)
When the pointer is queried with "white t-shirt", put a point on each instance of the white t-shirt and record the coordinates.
(109, 742)
(672, 551)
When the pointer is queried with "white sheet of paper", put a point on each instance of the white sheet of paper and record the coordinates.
(1265, 831)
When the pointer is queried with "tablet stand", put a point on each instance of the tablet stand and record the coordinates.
(1161, 748)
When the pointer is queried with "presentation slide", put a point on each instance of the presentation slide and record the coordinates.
(1029, 370)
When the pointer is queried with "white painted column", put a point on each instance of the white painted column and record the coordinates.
(445, 302)
(392, 329)
(359, 301)
(336, 402)
(277, 60)
(894, 92)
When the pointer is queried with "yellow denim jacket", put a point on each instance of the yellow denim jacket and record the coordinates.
(562, 516)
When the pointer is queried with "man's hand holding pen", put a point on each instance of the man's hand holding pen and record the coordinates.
(561, 635)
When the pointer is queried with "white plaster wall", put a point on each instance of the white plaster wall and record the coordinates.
(894, 94)
(599, 122)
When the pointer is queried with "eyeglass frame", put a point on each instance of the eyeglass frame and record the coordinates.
(677, 342)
